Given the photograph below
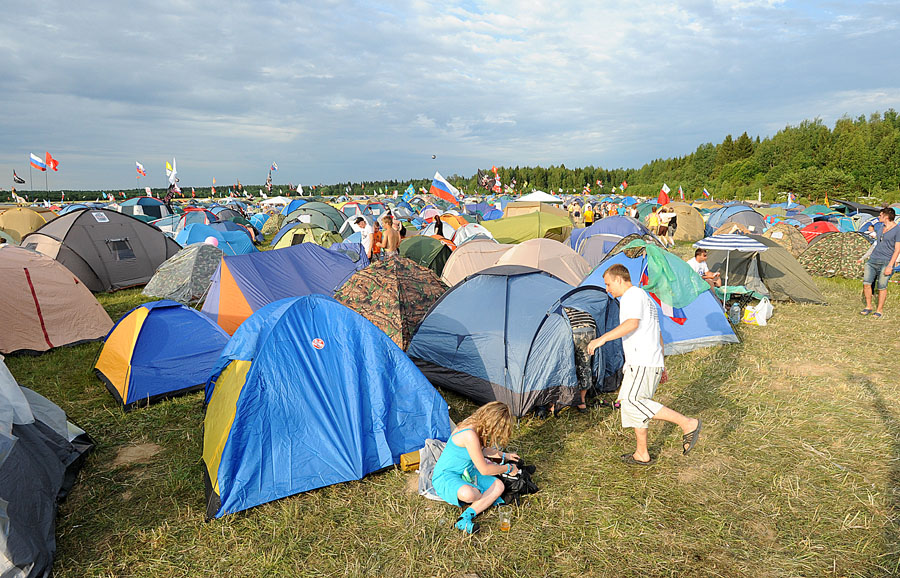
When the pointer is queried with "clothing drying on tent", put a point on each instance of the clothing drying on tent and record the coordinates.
(530, 226)
(185, 276)
(336, 398)
(394, 294)
(158, 350)
(230, 242)
(550, 256)
(503, 335)
(774, 273)
(427, 252)
(836, 255)
(44, 304)
(40, 455)
(705, 324)
(245, 283)
(105, 249)
(473, 257)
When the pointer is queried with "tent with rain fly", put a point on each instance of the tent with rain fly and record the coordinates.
(394, 294)
(158, 350)
(291, 205)
(336, 398)
(550, 256)
(529, 226)
(788, 237)
(427, 251)
(193, 215)
(472, 257)
(245, 283)
(705, 323)
(741, 214)
(836, 255)
(502, 335)
(297, 233)
(40, 455)
(774, 272)
(44, 304)
(817, 228)
(230, 242)
(186, 275)
(319, 214)
(470, 232)
(105, 249)
(144, 206)
(617, 225)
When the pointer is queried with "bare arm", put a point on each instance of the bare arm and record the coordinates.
(471, 442)
(622, 330)
(890, 266)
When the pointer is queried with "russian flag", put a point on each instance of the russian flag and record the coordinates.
(705, 192)
(38, 163)
(140, 169)
(444, 190)
(674, 313)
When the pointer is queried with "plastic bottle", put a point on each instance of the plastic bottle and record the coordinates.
(734, 314)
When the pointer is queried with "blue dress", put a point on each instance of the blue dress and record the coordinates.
(448, 471)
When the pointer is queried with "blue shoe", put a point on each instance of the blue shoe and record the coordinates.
(466, 522)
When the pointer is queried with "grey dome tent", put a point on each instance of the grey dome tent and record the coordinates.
(105, 249)
(502, 335)
(185, 277)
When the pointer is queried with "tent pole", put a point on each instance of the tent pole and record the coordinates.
(725, 292)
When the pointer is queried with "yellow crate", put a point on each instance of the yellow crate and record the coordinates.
(409, 462)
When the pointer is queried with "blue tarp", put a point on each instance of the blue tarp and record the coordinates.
(230, 242)
(706, 323)
(328, 398)
(501, 334)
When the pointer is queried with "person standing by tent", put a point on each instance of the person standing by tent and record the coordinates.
(588, 216)
(390, 237)
(366, 235)
(882, 258)
(653, 221)
(463, 473)
(644, 366)
(438, 226)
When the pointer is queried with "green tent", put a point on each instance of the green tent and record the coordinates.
(774, 272)
(530, 226)
(306, 233)
(427, 252)
(272, 224)
(321, 215)
(836, 255)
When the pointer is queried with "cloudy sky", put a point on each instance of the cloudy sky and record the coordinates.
(346, 91)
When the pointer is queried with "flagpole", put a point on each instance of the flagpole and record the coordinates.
(30, 179)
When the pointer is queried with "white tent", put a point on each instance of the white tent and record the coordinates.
(276, 201)
(541, 197)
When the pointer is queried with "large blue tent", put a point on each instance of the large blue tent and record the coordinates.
(502, 335)
(618, 225)
(230, 242)
(308, 393)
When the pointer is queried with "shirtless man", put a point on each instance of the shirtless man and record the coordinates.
(390, 238)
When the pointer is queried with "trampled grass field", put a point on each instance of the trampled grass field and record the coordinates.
(797, 473)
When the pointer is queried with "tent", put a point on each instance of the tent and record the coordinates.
(273, 224)
(740, 214)
(689, 222)
(158, 350)
(19, 221)
(836, 255)
(394, 294)
(788, 237)
(244, 283)
(550, 256)
(529, 226)
(472, 257)
(620, 246)
(427, 251)
(230, 242)
(518, 208)
(774, 272)
(292, 205)
(297, 233)
(731, 228)
(321, 215)
(40, 455)
(44, 304)
(186, 275)
(539, 197)
(144, 206)
(706, 324)
(105, 249)
(194, 215)
(617, 225)
(470, 232)
(502, 335)
(817, 228)
(307, 394)
(259, 219)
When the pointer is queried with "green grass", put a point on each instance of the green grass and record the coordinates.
(797, 473)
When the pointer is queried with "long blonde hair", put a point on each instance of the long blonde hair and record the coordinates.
(492, 422)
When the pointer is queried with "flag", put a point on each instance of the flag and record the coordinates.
(663, 198)
(62, 199)
(274, 166)
(140, 169)
(17, 179)
(193, 193)
(37, 163)
(705, 193)
(827, 204)
(444, 190)
(624, 185)
(172, 172)
(600, 184)
(52, 163)
(680, 193)
(791, 199)
(676, 314)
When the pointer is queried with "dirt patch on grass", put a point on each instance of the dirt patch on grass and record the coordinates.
(809, 369)
(139, 454)
(412, 483)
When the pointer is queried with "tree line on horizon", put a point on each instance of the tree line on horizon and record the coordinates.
(857, 159)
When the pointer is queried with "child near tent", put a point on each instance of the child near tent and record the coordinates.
(463, 473)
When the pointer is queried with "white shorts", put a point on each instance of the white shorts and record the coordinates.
(638, 387)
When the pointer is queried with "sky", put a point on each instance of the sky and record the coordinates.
(336, 91)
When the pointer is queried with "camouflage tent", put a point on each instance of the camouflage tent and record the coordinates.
(394, 294)
(186, 275)
(836, 255)
(788, 237)
(272, 224)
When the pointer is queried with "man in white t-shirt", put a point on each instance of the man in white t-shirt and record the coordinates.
(644, 365)
(698, 264)
(367, 234)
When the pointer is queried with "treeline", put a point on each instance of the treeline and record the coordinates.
(857, 159)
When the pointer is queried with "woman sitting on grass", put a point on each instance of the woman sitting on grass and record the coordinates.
(464, 474)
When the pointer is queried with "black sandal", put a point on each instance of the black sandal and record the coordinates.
(688, 440)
